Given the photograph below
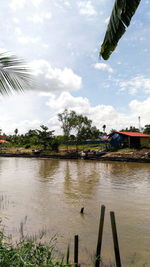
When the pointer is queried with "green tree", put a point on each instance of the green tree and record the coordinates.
(14, 74)
(104, 129)
(131, 129)
(82, 127)
(31, 138)
(95, 133)
(120, 18)
(16, 131)
(147, 129)
(77, 127)
(112, 131)
(45, 137)
(66, 119)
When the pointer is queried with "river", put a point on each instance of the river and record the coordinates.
(47, 195)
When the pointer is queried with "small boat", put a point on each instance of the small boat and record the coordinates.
(92, 154)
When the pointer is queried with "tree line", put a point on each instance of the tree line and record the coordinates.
(75, 127)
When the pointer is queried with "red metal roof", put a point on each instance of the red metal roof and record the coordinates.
(135, 134)
(3, 141)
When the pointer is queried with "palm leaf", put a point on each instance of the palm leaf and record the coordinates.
(14, 74)
(120, 18)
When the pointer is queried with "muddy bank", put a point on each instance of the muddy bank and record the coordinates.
(142, 156)
(42, 155)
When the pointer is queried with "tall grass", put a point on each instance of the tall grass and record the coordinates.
(28, 253)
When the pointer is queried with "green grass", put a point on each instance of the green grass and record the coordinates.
(83, 147)
(126, 150)
(28, 253)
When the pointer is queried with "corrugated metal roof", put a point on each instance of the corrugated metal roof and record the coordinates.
(135, 134)
(3, 141)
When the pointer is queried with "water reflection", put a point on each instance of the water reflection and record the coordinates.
(80, 180)
(47, 169)
(4, 201)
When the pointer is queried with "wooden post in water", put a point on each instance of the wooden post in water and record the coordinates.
(100, 235)
(76, 249)
(115, 239)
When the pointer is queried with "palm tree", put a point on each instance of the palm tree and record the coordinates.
(14, 74)
(120, 18)
(104, 128)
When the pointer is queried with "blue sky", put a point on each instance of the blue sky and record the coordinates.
(60, 39)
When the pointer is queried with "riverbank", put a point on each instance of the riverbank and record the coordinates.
(142, 156)
(73, 155)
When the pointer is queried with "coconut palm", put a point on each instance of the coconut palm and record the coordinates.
(120, 18)
(14, 74)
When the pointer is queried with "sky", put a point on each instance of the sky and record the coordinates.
(60, 40)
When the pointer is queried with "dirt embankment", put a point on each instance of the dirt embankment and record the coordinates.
(28, 153)
(135, 156)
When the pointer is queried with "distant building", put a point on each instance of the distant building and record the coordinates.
(2, 141)
(129, 139)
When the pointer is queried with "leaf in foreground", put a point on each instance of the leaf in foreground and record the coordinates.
(14, 74)
(120, 18)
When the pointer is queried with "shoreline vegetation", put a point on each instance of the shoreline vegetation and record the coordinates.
(27, 252)
(30, 252)
(79, 137)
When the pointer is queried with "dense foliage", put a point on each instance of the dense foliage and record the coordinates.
(130, 129)
(147, 129)
(28, 253)
(77, 127)
(41, 138)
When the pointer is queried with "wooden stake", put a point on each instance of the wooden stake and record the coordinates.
(76, 248)
(100, 235)
(115, 239)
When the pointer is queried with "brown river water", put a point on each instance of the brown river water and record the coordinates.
(47, 194)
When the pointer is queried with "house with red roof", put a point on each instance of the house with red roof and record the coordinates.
(2, 141)
(129, 139)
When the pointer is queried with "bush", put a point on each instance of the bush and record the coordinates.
(27, 146)
(27, 253)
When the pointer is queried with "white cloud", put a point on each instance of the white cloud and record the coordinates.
(106, 20)
(55, 79)
(36, 3)
(135, 84)
(15, 20)
(66, 3)
(18, 4)
(23, 125)
(141, 107)
(39, 18)
(86, 8)
(103, 66)
(28, 40)
(25, 39)
(66, 100)
(19, 112)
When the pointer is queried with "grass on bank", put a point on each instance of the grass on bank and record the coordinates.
(28, 253)
(62, 148)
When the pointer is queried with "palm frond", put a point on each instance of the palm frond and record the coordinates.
(120, 18)
(14, 74)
